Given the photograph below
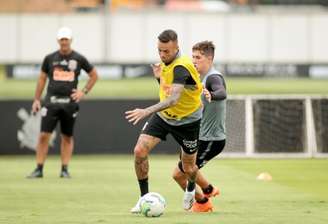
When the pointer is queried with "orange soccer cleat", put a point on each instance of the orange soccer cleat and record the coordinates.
(205, 207)
(215, 192)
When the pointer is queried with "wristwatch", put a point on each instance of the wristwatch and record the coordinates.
(85, 90)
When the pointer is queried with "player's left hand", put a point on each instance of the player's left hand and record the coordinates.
(157, 70)
(77, 95)
(207, 95)
(136, 115)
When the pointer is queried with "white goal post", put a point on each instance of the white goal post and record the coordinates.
(277, 126)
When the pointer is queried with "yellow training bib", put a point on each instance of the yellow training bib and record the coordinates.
(189, 100)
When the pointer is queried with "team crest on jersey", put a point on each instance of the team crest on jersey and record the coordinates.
(72, 65)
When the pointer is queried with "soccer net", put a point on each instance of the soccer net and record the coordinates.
(320, 111)
(235, 126)
(277, 126)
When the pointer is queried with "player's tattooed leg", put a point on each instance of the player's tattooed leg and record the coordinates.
(144, 145)
(141, 167)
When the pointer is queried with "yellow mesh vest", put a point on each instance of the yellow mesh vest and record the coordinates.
(190, 99)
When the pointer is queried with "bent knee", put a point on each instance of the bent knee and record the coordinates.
(189, 169)
(140, 151)
(176, 176)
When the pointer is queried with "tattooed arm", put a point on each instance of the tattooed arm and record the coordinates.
(169, 102)
(138, 114)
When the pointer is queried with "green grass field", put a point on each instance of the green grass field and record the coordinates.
(148, 87)
(104, 188)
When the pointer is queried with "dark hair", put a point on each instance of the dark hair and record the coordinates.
(206, 48)
(168, 35)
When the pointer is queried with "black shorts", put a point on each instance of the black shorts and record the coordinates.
(186, 135)
(207, 150)
(65, 113)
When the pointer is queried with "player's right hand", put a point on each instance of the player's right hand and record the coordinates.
(36, 106)
(207, 94)
(134, 116)
(157, 70)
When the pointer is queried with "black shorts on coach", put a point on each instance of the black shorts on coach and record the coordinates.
(64, 113)
(186, 135)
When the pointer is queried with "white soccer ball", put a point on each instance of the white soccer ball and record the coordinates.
(152, 204)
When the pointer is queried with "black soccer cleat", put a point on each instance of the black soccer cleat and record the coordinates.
(35, 174)
(65, 174)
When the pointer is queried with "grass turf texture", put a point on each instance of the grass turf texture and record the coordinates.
(104, 188)
(148, 87)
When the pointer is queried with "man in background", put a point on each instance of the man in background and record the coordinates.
(62, 69)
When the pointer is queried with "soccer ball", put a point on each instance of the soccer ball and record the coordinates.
(152, 204)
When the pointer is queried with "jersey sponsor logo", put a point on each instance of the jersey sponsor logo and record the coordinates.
(29, 133)
(64, 63)
(190, 144)
(170, 115)
(55, 99)
(72, 65)
(167, 88)
(60, 75)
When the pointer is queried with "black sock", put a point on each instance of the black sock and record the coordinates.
(64, 168)
(203, 200)
(143, 185)
(191, 186)
(208, 189)
(39, 167)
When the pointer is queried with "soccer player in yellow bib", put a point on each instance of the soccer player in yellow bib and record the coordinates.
(178, 113)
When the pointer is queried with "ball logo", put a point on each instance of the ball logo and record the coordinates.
(29, 133)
